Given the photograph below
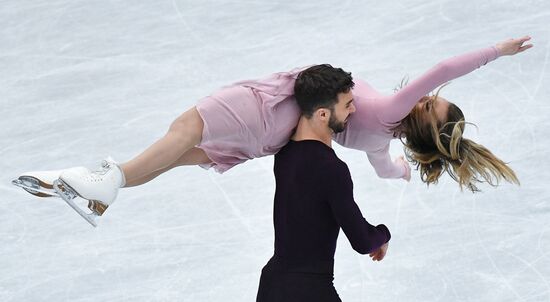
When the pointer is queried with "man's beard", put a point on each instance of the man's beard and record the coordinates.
(335, 124)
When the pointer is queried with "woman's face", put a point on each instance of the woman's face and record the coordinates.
(430, 105)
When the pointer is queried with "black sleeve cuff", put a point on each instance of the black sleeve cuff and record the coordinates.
(385, 230)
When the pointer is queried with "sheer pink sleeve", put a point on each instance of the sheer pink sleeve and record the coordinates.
(384, 166)
(394, 108)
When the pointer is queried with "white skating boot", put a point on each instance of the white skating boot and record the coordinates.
(100, 188)
(40, 183)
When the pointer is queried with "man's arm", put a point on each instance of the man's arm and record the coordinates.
(363, 236)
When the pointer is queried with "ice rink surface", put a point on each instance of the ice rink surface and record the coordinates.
(81, 80)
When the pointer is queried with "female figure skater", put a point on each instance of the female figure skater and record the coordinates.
(255, 118)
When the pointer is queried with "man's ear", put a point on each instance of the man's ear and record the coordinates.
(323, 113)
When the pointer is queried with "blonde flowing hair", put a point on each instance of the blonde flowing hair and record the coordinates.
(436, 147)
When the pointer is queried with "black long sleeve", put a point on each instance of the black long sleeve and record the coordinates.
(363, 236)
(313, 200)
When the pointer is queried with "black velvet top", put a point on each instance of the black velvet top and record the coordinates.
(313, 200)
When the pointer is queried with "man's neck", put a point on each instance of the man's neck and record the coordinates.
(308, 129)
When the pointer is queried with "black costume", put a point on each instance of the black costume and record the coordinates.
(313, 200)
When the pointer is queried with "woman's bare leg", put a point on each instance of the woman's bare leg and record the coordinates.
(194, 156)
(184, 134)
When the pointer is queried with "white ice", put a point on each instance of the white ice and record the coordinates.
(81, 80)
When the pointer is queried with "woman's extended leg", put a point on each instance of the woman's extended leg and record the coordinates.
(170, 151)
(184, 134)
(195, 156)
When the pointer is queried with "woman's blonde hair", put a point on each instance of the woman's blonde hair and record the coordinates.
(436, 147)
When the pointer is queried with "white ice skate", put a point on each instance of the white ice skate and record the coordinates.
(99, 188)
(40, 183)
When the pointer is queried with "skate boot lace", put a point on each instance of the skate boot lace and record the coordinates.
(99, 175)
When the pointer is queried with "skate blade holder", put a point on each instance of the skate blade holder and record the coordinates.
(34, 186)
(69, 195)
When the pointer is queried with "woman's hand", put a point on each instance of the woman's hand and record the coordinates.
(401, 161)
(511, 47)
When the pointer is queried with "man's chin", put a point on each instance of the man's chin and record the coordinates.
(340, 129)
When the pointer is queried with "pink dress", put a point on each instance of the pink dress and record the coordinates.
(248, 119)
(255, 118)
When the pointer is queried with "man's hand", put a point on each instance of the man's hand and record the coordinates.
(511, 47)
(379, 254)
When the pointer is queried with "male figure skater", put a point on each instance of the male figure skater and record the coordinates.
(314, 196)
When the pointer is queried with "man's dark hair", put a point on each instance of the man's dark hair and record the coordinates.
(318, 87)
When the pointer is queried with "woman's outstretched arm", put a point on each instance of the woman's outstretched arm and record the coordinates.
(399, 105)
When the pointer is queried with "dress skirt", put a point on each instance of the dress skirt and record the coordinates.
(248, 119)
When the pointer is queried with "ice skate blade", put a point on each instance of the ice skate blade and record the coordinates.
(68, 194)
(34, 186)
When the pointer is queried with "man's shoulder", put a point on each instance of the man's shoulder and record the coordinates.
(315, 151)
(339, 166)
(309, 148)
